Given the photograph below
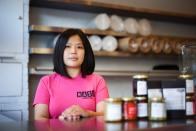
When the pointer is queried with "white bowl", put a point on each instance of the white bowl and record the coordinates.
(109, 43)
(145, 27)
(102, 21)
(131, 25)
(116, 23)
(95, 42)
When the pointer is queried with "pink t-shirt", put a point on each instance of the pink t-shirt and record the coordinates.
(59, 92)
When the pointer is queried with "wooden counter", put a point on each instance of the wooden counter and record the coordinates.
(97, 123)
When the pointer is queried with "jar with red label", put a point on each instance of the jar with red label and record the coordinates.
(129, 108)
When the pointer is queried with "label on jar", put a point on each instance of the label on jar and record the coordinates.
(158, 110)
(189, 108)
(154, 93)
(189, 86)
(142, 110)
(130, 111)
(141, 88)
(113, 112)
(174, 98)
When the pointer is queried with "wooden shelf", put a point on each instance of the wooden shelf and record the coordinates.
(52, 29)
(122, 10)
(39, 51)
(153, 74)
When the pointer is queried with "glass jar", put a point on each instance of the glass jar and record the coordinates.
(157, 109)
(188, 53)
(113, 110)
(129, 108)
(140, 85)
(190, 90)
(190, 108)
(142, 107)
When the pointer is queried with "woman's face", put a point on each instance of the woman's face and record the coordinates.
(74, 52)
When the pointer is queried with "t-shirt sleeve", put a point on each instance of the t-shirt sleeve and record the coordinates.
(42, 94)
(102, 91)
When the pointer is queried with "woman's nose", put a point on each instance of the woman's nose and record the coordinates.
(73, 49)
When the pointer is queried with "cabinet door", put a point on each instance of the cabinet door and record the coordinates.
(11, 26)
(10, 79)
(13, 115)
(4, 118)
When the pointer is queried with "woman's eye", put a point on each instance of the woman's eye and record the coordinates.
(67, 46)
(80, 47)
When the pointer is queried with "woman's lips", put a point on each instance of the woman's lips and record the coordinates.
(73, 58)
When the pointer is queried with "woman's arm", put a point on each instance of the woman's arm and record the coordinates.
(41, 112)
(99, 109)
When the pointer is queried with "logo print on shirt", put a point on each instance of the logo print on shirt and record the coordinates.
(86, 94)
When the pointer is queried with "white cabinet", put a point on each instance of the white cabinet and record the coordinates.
(11, 79)
(14, 58)
(11, 26)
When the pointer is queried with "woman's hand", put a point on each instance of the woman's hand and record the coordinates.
(74, 112)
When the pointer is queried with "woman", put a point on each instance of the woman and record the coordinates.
(72, 91)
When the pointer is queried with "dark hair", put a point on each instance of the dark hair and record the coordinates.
(88, 64)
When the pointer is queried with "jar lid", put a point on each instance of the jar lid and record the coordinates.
(140, 76)
(113, 99)
(185, 76)
(157, 99)
(128, 98)
(189, 97)
(141, 98)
